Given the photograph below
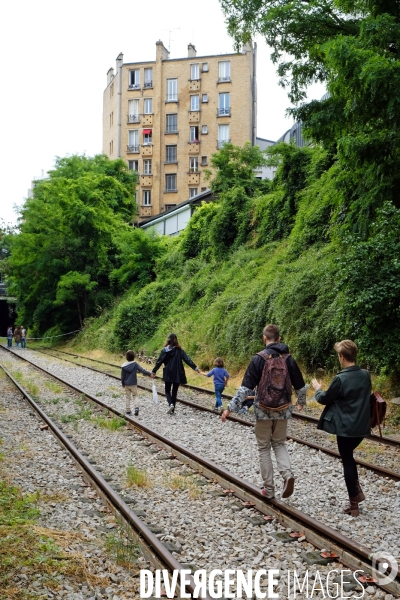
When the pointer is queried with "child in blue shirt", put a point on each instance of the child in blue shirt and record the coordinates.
(221, 377)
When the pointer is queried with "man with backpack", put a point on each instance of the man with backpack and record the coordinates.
(274, 372)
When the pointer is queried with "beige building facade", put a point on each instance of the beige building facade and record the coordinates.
(166, 118)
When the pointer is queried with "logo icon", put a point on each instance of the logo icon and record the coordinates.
(384, 567)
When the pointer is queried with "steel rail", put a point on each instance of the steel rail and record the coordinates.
(381, 471)
(350, 553)
(387, 440)
(154, 547)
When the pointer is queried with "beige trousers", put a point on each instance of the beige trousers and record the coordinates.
(131, 394)
(272, 433)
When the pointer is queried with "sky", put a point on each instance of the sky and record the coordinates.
(55, 57)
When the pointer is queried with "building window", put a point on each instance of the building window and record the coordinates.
(133, 111)
(203, 189)
(148, 78)
(133, 165)
(204, 67)
(147, 166)
(171, 154)
(134, 79)
(172, 90)
(170, 183)
(171, 123)
(169, 206)
(111, 90)
(224, 104)
(204, 129)
(146, 197)
(133, 140)
(193, 164)
(194, 71)
(194, 102)
(204, 98)
(223, 135)
(204, 160)
(111, 148)
(224, 70)
(194, 133)
(193, 192)
(147, 137)
(148, 106)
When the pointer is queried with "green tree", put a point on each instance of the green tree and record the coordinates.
(70, 255)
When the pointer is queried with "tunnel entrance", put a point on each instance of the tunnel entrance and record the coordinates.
(7, 314)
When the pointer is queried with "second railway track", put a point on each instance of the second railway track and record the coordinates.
(351, 551)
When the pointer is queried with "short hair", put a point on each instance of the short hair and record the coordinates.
(348, 349)
(218, 362)
(130, 355)
(271, 332)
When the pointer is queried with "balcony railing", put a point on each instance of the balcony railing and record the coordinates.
(224, 78)
(193, 170)
(133, 118)
(148, 84)
(170, 189)
(171, 130)
(134, 86)
(224, 112)
(220, 143)
(172, 97)
(132, 149)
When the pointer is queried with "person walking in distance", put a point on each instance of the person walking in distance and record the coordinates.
(172, 356)
(221, 377)
(17, 336)
(129, 372)
(23, 337)
(347, 415)
(9, 337)
(274, 372)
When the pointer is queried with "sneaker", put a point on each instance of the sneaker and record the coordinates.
(170, 409)
(128, 412)
(136, 412)
(266, 494)
(243, 411)
(288, 487)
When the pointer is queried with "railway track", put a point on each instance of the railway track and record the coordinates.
(381, 471)
(386, 440)
(342, 548)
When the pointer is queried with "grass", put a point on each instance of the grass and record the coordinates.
(137, 478)
(113, 423)
(82, 414)
(122, 548)
(54, 387)
(178, 482)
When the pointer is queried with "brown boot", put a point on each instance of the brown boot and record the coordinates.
(360, 493)
(352, 508)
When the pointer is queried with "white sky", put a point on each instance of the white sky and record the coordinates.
(55, 59)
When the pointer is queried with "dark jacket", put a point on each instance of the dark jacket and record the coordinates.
(254, 371)
(347, 404)
(172, 359)
(129, 373)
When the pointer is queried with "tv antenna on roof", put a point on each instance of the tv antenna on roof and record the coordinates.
(169, 36)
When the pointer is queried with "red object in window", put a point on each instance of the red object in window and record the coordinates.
(146, 131)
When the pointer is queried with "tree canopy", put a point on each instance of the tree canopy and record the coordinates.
(73, 252)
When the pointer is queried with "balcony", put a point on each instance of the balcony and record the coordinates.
(220, 143)
(148, 84)
(147, 119)
(132, 149)
(194, 85)
(134, 86)
(194, 147)
(225, 79)
(147, 149)
(224, 112)
(133, 118)
(194, 116)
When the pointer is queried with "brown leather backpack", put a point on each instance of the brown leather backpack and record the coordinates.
(377, 410)
(274, 392)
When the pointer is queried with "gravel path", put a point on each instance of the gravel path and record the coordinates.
(71, 514)
(320, 488)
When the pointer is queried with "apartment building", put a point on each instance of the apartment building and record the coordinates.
(166, 118)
